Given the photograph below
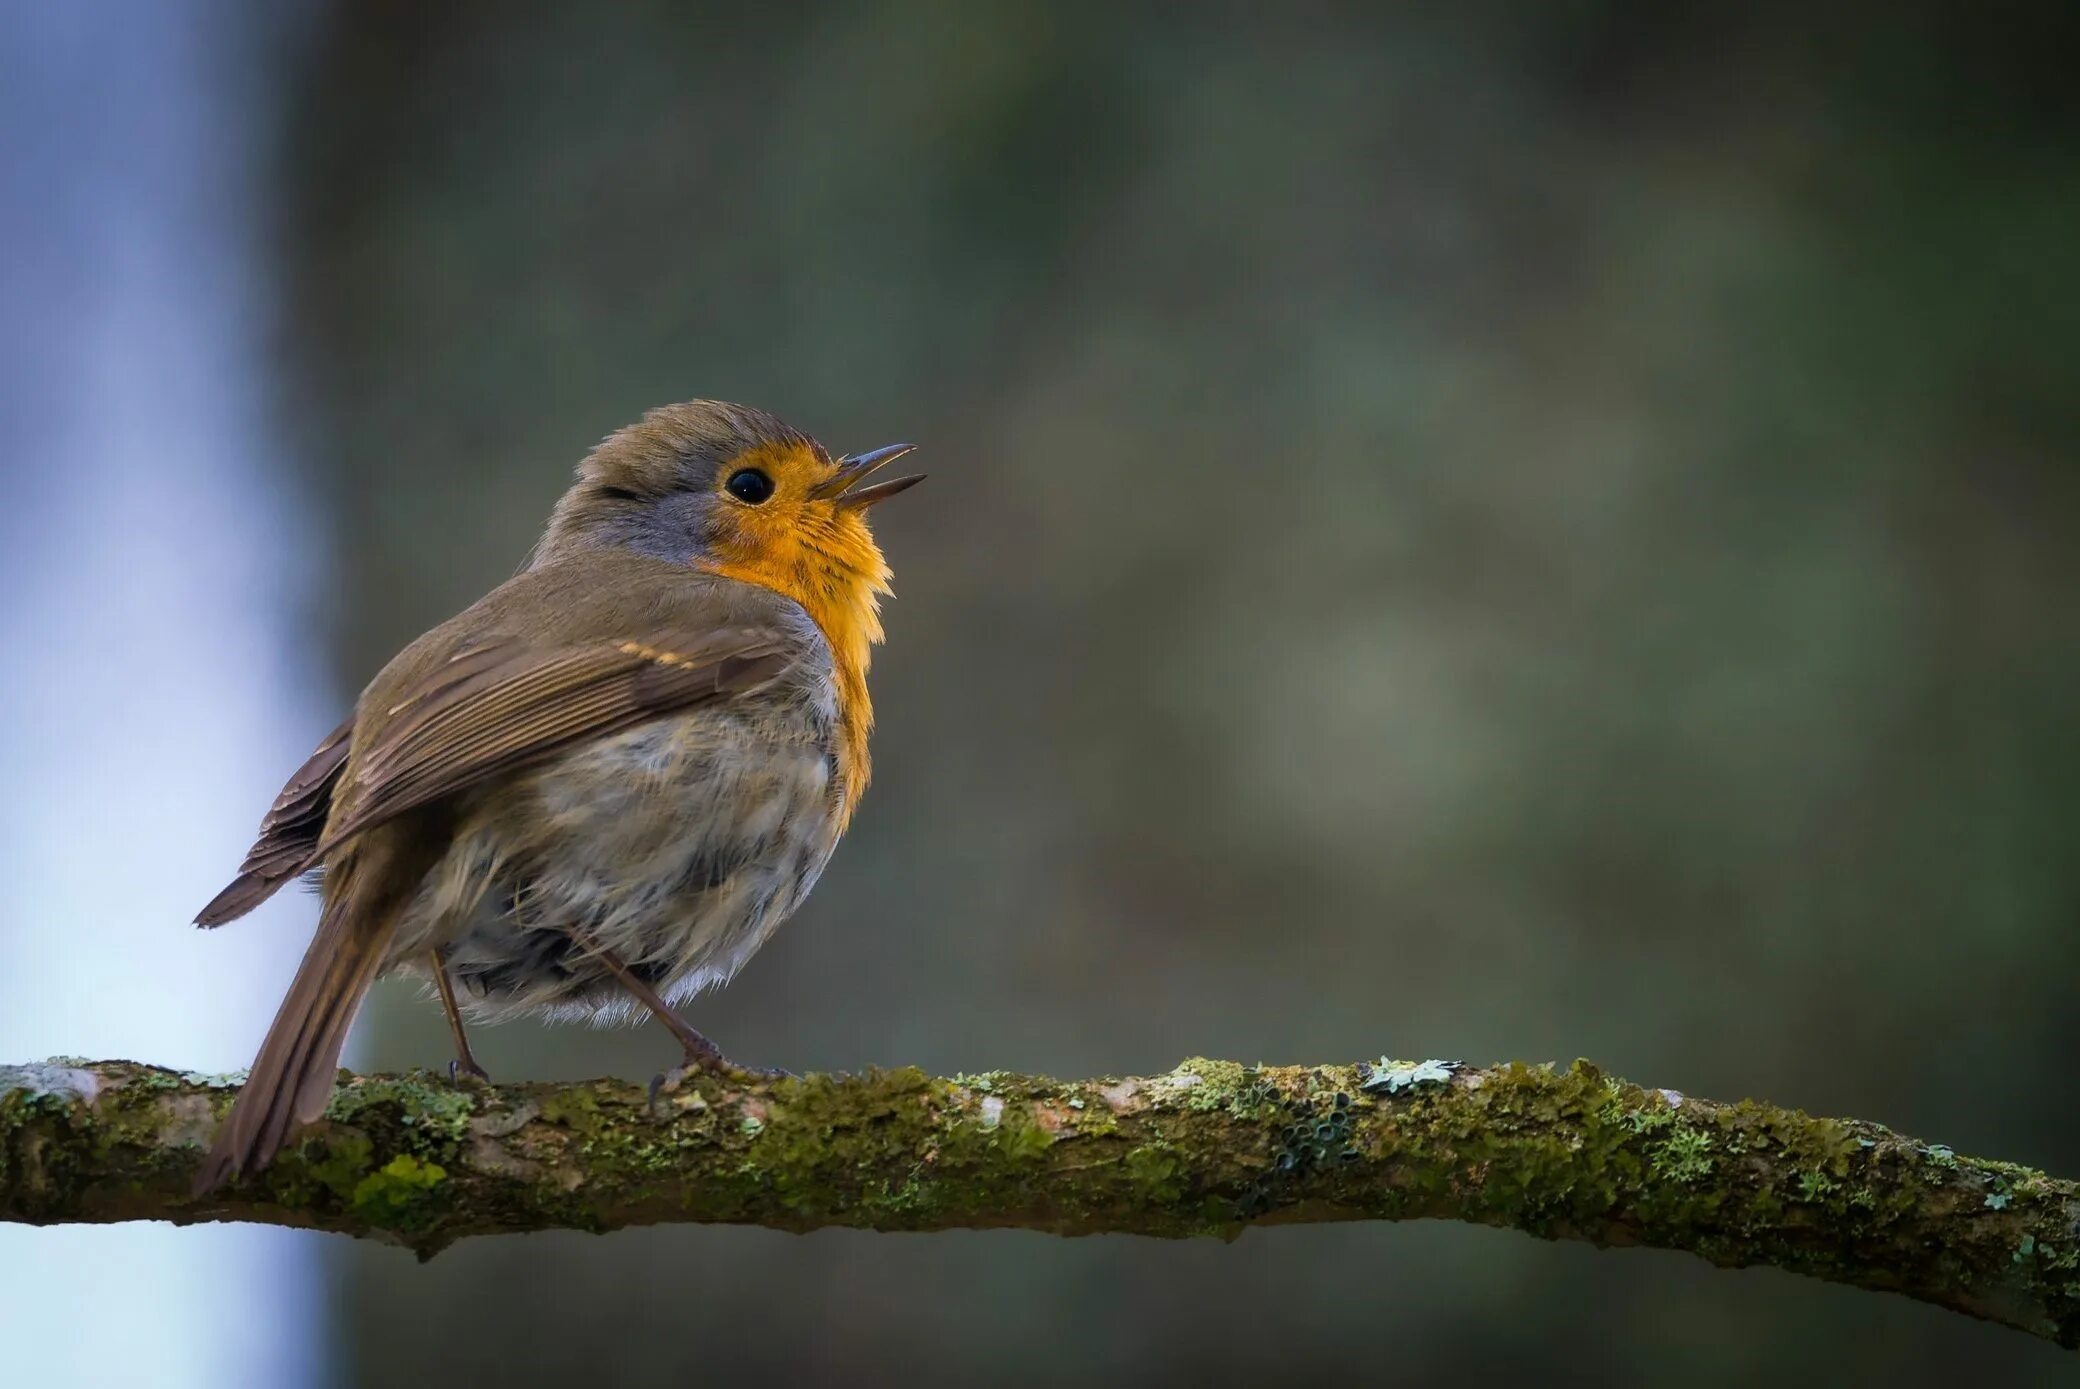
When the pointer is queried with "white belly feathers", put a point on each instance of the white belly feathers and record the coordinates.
(738, 821)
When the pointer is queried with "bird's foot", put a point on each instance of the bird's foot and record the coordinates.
(709, 1060)
(464, 1070)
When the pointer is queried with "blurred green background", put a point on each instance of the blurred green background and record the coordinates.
(1484, 531)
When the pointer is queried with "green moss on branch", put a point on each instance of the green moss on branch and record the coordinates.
(1208, 1149)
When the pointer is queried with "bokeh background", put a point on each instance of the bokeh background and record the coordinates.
(1484, 531)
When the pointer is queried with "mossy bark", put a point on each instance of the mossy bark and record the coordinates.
(1209, 1149)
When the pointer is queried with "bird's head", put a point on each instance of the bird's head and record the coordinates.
(736, 491)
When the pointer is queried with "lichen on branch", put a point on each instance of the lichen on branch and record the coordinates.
(1210, 1148)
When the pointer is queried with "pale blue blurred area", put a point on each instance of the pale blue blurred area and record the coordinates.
(155, 561)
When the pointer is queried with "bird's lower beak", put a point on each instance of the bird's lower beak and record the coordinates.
(843, 486)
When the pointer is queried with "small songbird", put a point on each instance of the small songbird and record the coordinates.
(598, 790)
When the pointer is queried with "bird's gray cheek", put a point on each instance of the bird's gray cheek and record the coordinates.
(673, 528)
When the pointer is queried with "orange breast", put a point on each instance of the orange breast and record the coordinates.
(848, 614)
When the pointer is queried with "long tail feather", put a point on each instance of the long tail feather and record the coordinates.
(292, 1077)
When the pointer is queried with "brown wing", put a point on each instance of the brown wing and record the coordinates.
(498, 708)
(288, 841)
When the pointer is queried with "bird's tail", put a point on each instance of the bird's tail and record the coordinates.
(291, 1079)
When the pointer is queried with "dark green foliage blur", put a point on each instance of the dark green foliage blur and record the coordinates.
(1490, 532)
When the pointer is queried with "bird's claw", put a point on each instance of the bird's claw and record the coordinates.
(467, 1073)
(668, 1082)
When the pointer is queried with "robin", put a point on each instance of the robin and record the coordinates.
(597, 791)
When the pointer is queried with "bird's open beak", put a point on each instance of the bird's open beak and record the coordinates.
(843, 486)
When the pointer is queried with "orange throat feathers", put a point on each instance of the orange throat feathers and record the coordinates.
(839, 577)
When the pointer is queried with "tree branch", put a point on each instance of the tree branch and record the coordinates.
(1208, 1149)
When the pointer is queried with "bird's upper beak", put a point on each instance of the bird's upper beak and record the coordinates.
(843, 486)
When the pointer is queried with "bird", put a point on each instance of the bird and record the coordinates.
(598, 790)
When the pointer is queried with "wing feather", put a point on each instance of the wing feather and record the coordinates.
(498, 709)
(288, 839)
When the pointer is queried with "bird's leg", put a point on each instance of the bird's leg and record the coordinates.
(465, 1062)
(701, 1054)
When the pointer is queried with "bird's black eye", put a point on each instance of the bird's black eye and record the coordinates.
(750, 486)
